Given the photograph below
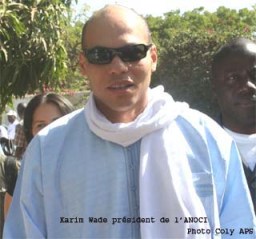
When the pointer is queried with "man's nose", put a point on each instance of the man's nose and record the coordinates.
(118, 66)
(247, 83)
(248, 88)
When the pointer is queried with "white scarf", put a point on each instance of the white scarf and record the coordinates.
(166, 186)
(246, 144)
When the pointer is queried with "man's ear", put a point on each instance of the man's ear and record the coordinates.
(153, 53)
(83, 64)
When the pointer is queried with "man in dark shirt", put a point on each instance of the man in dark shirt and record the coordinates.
(234, 82)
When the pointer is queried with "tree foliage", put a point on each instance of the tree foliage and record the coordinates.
(32, 53)
(186, 44)
(72, 35)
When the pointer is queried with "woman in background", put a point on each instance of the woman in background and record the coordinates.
(41, 110)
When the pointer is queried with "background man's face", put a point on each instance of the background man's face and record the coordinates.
(235, 88)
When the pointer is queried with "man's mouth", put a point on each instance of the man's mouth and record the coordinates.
(120, 86)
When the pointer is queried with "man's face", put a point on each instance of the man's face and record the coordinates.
(11, 118)
(119, 88)
(235, 87)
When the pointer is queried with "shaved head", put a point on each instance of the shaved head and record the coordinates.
(114, 15)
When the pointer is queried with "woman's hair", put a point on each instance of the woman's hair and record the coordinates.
(63, 104)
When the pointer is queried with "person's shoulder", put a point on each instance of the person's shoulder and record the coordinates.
(197, 117)
(192, 115)
(202, 122)
(63, 125)
(56, 132)
(66, 120)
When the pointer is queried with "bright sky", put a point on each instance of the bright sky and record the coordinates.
(158, 7)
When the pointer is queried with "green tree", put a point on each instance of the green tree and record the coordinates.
(32, 53)
(73, 80)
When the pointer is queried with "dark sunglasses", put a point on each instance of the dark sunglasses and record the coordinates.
(104, 55)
